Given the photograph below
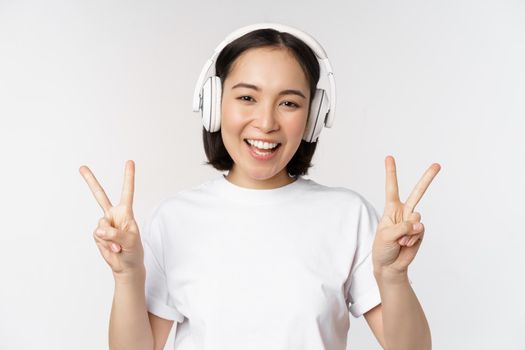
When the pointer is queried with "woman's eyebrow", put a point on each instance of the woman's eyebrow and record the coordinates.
(256, 88)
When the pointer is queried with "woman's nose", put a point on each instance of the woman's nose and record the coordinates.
(266, 119)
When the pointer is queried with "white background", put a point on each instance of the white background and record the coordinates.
(98, 82)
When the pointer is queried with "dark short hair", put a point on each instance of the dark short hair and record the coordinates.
(214, 147)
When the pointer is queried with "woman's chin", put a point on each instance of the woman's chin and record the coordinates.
(263, 176)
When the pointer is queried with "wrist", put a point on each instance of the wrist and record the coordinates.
(131, 276)
(390, 276)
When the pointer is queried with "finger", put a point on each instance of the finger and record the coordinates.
(107, 245)
(392, 194)
(413, 218)
(115, 247)
(404, 228)
(113, 236)
(96, 189)
(129, 184)
(99, 240)
(404, 231)
(421, 187)
(110, 234)
(413, 241)
(416, 239)
(104, 222)
(102, 243)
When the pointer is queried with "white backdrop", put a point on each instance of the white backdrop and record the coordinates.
(100, 82)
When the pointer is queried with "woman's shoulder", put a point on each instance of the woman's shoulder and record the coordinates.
(337, 192)
(192, 193)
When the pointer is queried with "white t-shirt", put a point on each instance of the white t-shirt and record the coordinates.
(275, 269)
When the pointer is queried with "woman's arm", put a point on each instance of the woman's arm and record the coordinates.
(398, 237)
(161, 329)
(374, 318)
(129, 326)
(404, 323)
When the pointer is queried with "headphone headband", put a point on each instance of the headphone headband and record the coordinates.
(209, 67)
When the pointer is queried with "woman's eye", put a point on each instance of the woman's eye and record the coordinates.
(250, 99)
(241, 98)
(294, 105)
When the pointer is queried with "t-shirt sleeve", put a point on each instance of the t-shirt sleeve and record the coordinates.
(158, 299)
(363, 291)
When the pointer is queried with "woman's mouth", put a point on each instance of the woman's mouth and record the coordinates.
(262, 154)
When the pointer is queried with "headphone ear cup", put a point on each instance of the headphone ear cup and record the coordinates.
(316, 118)
(216, 102)
(211, 104)
(206, 104)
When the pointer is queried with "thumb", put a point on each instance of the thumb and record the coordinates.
(399, 230)
(113, 236)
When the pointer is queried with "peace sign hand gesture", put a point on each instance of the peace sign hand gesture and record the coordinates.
(397, 241)
(117, 234)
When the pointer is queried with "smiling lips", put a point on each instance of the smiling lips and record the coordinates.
(262, 154)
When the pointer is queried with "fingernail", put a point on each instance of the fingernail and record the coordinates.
(417, 226)
(404, 240)
(114, 247)
(100, 232)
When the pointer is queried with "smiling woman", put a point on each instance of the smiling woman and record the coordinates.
(267, 81)
(263, 258)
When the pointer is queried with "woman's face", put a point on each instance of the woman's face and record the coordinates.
(265, 109)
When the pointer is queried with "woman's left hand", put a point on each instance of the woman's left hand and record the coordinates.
(397, 242)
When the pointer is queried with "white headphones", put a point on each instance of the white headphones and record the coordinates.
(207, 96)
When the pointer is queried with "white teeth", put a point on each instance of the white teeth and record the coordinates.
(262, 145)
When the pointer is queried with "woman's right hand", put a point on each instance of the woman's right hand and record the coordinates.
(120, 245)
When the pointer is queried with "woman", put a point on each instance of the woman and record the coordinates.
(262, 258)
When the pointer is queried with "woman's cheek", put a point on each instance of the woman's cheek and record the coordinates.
(235, 114)
(298, 125)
